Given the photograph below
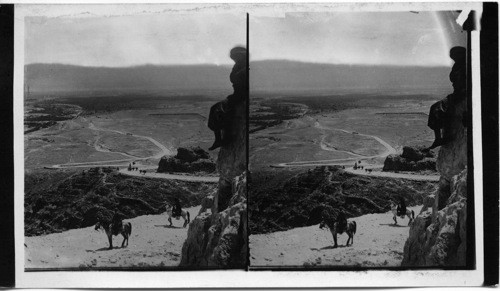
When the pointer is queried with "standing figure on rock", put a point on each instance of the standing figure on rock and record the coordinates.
(439, 112)
(219, 119)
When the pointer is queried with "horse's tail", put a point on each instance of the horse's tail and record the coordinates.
(354, 227)
(412, 214)
(188, 217)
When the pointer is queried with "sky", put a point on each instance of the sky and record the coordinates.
(368, 38)
(120, 41)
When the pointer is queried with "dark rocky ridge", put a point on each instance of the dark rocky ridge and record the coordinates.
(187, 160)
(56, 201)
(280, 202)
(413, 159)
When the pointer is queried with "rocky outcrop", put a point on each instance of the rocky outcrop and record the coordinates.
(412, 159)
(187, 160)
(438, 236)
(217, 237)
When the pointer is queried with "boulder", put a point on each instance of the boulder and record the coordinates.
(219, 239)
(187, 160)
(399, 163)
(192, 154)
(414, 153)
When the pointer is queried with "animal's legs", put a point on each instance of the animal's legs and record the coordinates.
(124, 238)
(110, 239)
(334, 233)
(395, 220)
(170, 220)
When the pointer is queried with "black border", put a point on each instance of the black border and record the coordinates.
(489, 119)
(7, 248)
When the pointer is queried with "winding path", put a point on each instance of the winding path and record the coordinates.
(189, 178)
(123, 162)
(344, 161)
(357, 157)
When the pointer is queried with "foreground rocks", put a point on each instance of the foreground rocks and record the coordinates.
(438, 237)
(187, 160)
(217, 238)
(412, 159)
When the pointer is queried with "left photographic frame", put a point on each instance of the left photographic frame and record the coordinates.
(131, 140)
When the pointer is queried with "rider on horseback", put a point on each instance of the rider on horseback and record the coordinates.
(401, 210)
(116, 223)
(342, 222)
(176, 210)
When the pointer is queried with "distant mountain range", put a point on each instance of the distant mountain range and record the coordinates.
(290, 76)
(264, 76)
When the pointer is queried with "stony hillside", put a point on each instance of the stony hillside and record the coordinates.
(439, 236)
(60, 200)
(289, 200)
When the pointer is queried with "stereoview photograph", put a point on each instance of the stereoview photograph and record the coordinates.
(134, 137)
(358, 140)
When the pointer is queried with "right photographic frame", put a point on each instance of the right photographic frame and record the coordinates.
(361, 137)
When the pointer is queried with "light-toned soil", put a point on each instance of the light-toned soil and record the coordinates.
(181, 177)
(153, 243)
(377, 243)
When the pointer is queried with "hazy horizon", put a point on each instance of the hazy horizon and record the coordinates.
(130, 40)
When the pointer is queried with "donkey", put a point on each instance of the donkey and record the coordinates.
(125, 231)
(184, 214)
(334, 226)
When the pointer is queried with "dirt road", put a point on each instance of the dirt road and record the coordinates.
(377, 243)
(113, 163)
(152, 244)
(206, 179)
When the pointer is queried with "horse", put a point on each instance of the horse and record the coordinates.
(125, 231)
(333, 226)
(184, 214)
(409, 213)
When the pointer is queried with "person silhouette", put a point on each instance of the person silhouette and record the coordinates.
(177, 208)
(401, 209)
(219, 119)
(439, 111)
(116, 222)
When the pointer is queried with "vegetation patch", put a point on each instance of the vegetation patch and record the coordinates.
(56, 201)
(283, 200)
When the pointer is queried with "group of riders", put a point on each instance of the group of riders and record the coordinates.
(117, 220)
(342, 219)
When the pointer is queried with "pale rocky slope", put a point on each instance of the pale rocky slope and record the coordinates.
(153, 243)
(377, 243)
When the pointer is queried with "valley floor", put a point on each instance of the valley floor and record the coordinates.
(153, 243)
(377, 243)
